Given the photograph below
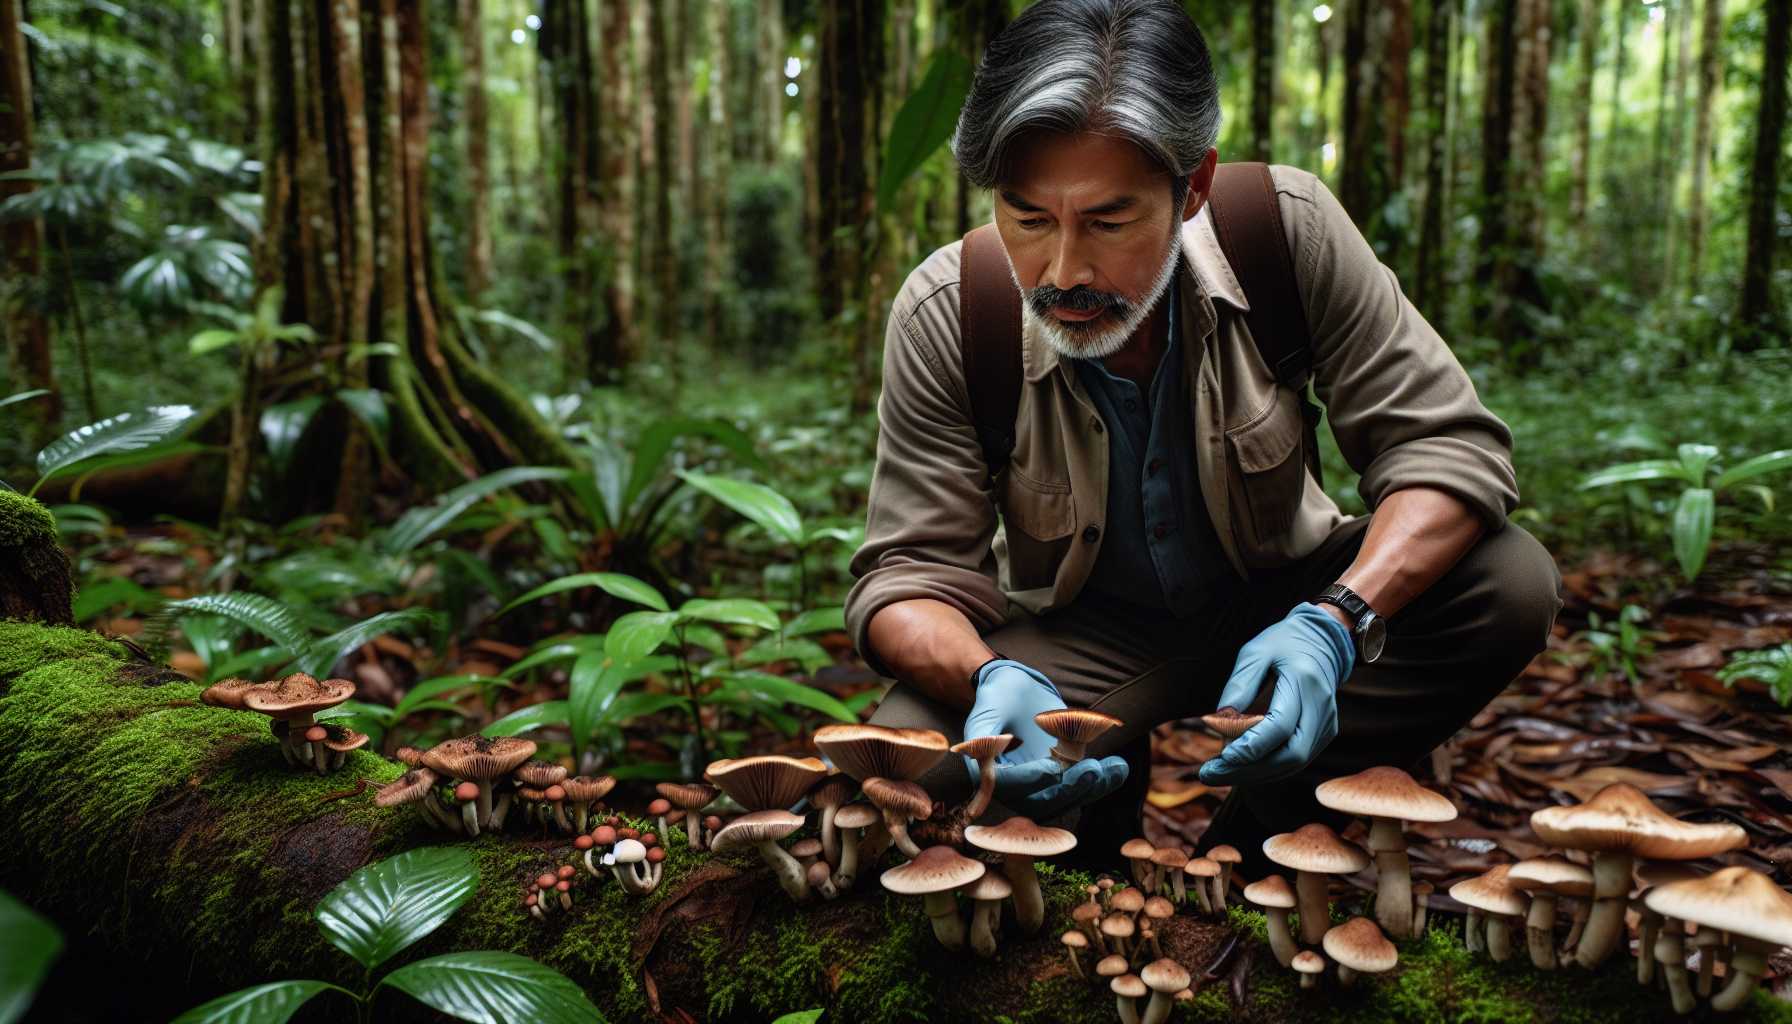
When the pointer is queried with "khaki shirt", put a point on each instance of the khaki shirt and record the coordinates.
(1400, 406)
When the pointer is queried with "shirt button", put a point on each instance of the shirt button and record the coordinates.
(1091, 534)
(1159, 531)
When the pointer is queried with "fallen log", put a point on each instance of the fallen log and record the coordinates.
(183, 859)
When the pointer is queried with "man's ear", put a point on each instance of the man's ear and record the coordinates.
(1200, 183)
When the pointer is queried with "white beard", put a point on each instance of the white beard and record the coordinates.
(1073, 342)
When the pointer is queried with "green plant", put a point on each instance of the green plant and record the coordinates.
(294, 643)
(1771, 668)
(773, 513)
(130, 438)
(1696, 468)
(1616, 647)
(27, 945)
(382, 909)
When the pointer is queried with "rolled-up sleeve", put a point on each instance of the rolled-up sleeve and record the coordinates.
(932, 518)
(1403, 410)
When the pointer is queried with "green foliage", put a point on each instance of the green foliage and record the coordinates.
(1616, 647)
(384, 908)
(1771, 668)
(28, 944)
(140, 433)
(925, 121)
(1695, 467)
(768, 303)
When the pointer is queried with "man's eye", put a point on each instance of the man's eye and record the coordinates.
(1032, 222)
(1108, 225)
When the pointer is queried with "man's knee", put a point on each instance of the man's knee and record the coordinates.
(1524, 593)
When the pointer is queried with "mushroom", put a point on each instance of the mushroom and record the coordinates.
(1648, 930)
(878, 752)
(1168, 878)
(1128, 901)
(1138, 851)
(656, 866)
(763, 829)
(933, 875)
(1127, 989)
(984, 750)
(1618, 825)
(1546, 878)
(1708, 941)
(1087, 916)
(601, 836)
(1387, 796)
(467, 793)
(807, 851)
(689, 797)
(479, 760)
(540, 774)
(555, 797)
(408, 756)
(293, 703)
(1230, 722)
(227, 693)
(900, 801)
(1074, 729)
(584, 793)
(1314, 851)
(1157, 911)
(417, 786)
(821, 879)
(989, 890)
(1021, 842)
(1227, 857)
(1111, 966)
(1309, 965)
(828, 796)
(1670, 950)
(1164, 977)
(659, 808)
(770, 782)
(1276, 897)
(624, 860)
(1421, 894)
(1741, 901)
(1359, 948)
(1118, 927)
(1493, 895)
(851, 821)
(1074, 940)
(1205, 872)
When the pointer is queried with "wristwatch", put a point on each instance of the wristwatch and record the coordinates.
(1369, 629)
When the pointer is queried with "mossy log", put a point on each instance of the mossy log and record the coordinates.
(35, 582)
(183, 858)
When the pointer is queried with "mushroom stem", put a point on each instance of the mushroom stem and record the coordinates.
(1670, 949)
(1540, 930)
(1127, 1008)
(1158, 1009)
(948, 927)
(1747, 964)
(1346, 976)
(561, 822)
(692, 829)
(1281, 940)
(1419, 912)
(1029, 902)
(847, 871)
(1178, 887)
(789, 872)
(1068, 753)
(1576, 927)
(1393, 877)
(1499, 938)
(1219, 891)
(1075, 964)
(1201, 893)
(1314, 903)
(1707, 940)
(897, 825)
(1309, 980)
(437, 813)
(830, 837)
(501, 811)
(986, 788)
(484, 801)
(320, 756)
(1474, 932)
(1648, 929)
(1611, 883)
(469, 819)
(590, 865)
(983, 936)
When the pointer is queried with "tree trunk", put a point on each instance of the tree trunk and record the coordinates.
(1362, 149)
(1677, 148)
(1583, 114)
(1703, 145)
(1493, 272)
(1429, 294)
(1759, 315)
(721, 152)
(771, 106)
(615, 194)
(1263, 77)
(36, 580)
(27, 330)
(472, 83)
(1530, 130)
(357, 271)
(1396, 77)
(665, 178)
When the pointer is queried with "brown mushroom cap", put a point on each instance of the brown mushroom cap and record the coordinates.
(659, 807)
(1223, 854)
(1117, 926)
(856, 815)
(756, 827)
(1017, 836)
(770, 782)
(316, 734)
(581, 789)
(226, 693)
(540, 774)
(409, 756)
(1165, 975)
(1075, 725)
(1620, 818)
(1551, 874)
(981, 747)
(412, 786)
(1230, 722)
(893, 795)
(818, 874)
(1492, 892)
(692, 796)
(1128, 901)
(1172, 858)
(1202, 867)
(342, 740)
(1271, 891)
(1157, 908)
(1308, 962)
(1074, 939)
(991, 886)
(1359, 945)
(1384, 792)
(1129, 986)
(834, 790)
(479, 758)
(1137, 848)
(937, 869)
(806, 847)
(876, 751)
(1111, 966)
(466, 791)
(1315, 848)
(297, 696)
(1738, 900)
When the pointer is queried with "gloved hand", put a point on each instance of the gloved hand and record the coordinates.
(1029, 780)
(1311, 653)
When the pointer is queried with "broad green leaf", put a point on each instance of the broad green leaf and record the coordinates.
(321, 654)
(430, 689)
(384, 907)
(273, 1003)
(282, 425)
(369, 406)
(637, 634)
(763, 687)
(111, 593)
(23, 396)
(1762, 493)
(127, 431)
(86, 468)
(1692, 529)
(591, 691)
(615, 584)
(767, 508)
(807, 653)
(211, 340)
(252, 662)
(263, 615)
(817, 620)
(28, 942)
(735, 611)
(535, 716)
(925, 120)
(656, 441)
(800, 1017)
(1769, 462)
(420, 524)
(1694, 459)
(858, 702)
(1648, 469)
(492, 987)
(549, 655)
(639, 704)
(516, 325)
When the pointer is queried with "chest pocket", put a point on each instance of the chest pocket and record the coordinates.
(1268, 454)
(1040, 519)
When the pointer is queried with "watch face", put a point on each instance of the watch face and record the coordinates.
(1372, 639)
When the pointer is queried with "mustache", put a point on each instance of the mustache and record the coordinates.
(1045, 298)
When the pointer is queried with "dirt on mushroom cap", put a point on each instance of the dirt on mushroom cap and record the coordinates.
(479, 758)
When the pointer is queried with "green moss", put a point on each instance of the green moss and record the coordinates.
(35, 580)
(25, 521)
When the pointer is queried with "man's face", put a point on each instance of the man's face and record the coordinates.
(1091, 231)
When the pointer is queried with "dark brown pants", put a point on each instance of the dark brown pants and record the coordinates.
(1448, 653)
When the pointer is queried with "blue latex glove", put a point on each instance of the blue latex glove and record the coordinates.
(1029, 780)
(1310, 653)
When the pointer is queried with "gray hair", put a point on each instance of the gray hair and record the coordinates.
(1136, 69)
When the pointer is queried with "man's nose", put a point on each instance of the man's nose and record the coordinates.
(1069, 267)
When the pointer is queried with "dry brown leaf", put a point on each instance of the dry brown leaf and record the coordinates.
(1699, 655)
(1591, 781)
(1176, 796)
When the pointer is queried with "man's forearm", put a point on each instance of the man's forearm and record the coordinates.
(1415, 536)
(931, 645)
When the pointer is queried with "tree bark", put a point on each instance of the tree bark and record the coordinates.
(1263, 77)
(1530, 130)
(27, 330)
(1362, 149)
(1677, 148)
(771, 104)
(1758, 313)
(664, 179)
(721, 153)
(472, 84)
(1396, 63)
(1710, 36)
(1493, 271)
(1583, 114)
(1429, 293)
(615, 194)
(36, 580)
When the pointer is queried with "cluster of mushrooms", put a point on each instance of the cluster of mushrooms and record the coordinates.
(293, 703)
(472, 784)
(1118, 925)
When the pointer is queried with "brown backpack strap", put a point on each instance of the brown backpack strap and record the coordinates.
(1248, 221)
(989, 333)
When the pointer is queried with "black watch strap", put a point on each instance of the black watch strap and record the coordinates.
(977, 673)
(1345, 598)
